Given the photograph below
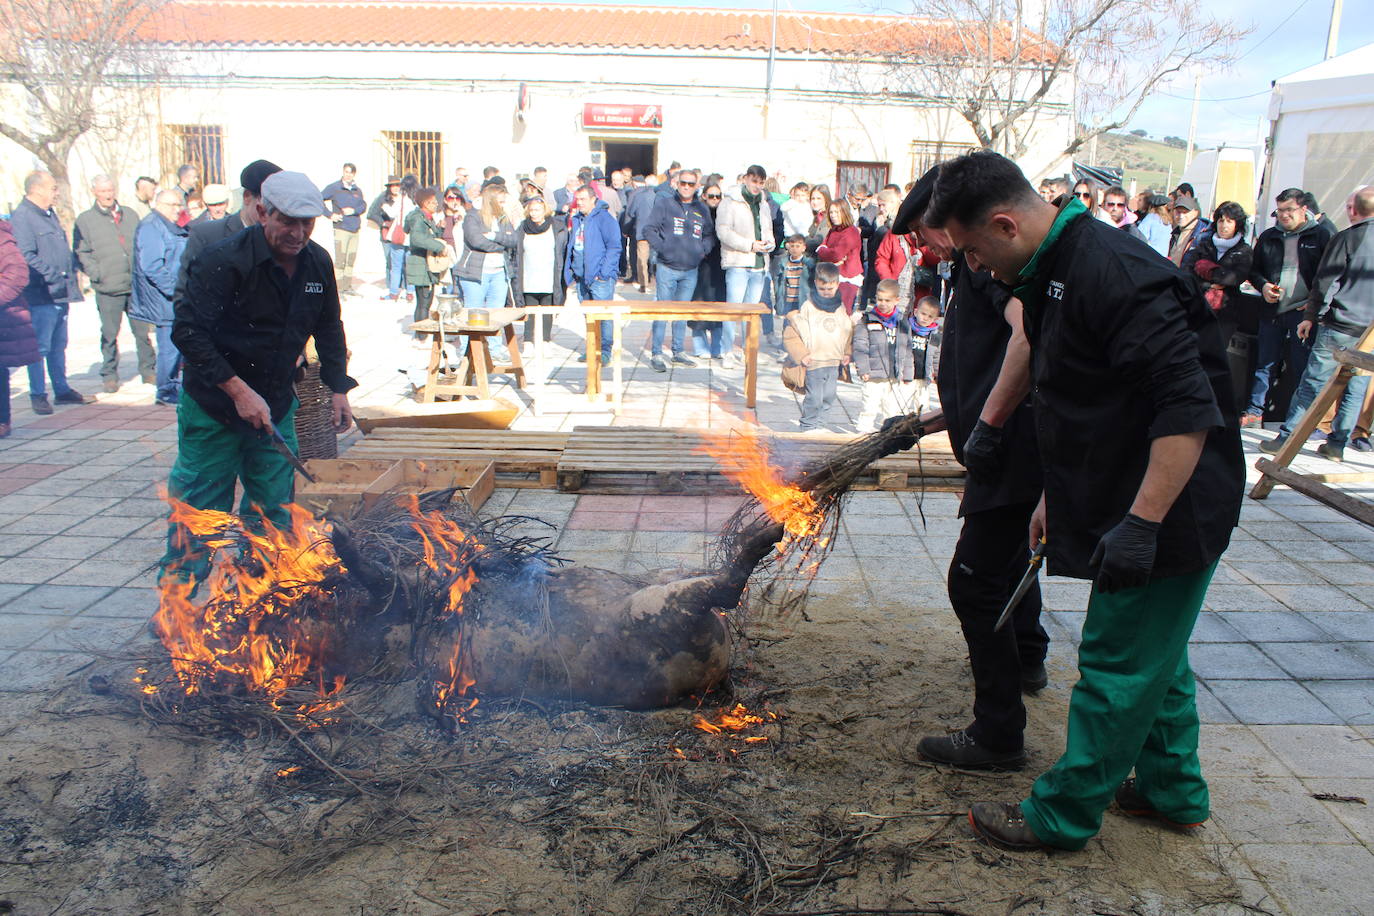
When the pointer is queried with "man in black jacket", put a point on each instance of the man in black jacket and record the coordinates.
(1339, 308)
(51, 288)
(1142, 486)
(993, 434)
(681, 232)
(250, 304)
(1283, 268)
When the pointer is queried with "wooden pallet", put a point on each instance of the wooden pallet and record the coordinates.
(343, 486)
(618, 459)
(520, 459)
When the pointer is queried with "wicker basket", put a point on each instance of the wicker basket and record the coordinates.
(314, 416)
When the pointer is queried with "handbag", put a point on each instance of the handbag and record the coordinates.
(439, 263)
(794, 377)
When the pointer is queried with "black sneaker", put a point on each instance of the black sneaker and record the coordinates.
(73, 397)
(40, 404)
(681, 359)
(657, 363)
(957, 749)
(1331, 452)
(1273, 445)
(1034, 680)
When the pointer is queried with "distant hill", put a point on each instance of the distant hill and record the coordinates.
(1147, 162)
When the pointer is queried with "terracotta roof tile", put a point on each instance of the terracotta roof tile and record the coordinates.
(389, 23)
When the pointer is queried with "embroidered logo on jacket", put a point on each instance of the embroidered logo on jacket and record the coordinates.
(314, 286)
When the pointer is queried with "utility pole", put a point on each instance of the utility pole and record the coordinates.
(772, 54)
(1334, 31)
(1192, 123)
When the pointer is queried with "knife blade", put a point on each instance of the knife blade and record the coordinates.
(279, 443)
(1023, 586)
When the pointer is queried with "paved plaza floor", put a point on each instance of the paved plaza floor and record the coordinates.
(1283, 652)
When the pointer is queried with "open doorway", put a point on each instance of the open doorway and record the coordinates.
(640, 156)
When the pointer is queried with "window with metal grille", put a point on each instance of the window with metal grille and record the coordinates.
(418, 152)
(201, 145)
(926, 154)
(871, 174)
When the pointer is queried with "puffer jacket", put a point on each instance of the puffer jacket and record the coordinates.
(424, 239)
(18, 345)
(158, 247)
(105, 248)
(477, 245)
(43, 243)
(878, 356)
(735, 229)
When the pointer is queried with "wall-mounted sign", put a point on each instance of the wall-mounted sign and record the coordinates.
(623, 117)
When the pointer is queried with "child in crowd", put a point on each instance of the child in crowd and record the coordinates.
(817, 336)
(884, 359)
(792, 276)
(925, 348)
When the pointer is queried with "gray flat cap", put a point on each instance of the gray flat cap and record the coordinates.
(293, 194)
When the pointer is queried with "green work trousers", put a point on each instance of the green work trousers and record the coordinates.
(211, 459)
(1133, 707)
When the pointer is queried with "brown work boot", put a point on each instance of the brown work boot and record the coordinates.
(1132, 803)
(1003, 824)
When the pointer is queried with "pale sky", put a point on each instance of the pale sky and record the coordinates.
(1288, 35)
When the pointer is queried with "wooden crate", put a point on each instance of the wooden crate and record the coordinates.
(339, 483)
(413, 476)
(618, 459)
(519, 459)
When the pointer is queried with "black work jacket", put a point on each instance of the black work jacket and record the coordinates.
(241, 315)
(975, 336)
(1124, 351)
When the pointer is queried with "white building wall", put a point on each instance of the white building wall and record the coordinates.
(312, 109)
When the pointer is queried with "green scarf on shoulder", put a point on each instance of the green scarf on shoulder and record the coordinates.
(1028, 289)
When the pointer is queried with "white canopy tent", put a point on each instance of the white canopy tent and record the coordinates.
(1322, 132)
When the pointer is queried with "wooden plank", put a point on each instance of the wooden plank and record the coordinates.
(1359, 360)
(1358, 509)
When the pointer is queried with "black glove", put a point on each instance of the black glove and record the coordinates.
(903, 440)
(983, 454)
(1125, 555)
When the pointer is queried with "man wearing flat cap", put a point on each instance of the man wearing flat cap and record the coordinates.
(251, 303)
(992, 431)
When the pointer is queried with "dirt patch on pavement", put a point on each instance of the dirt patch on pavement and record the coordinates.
(566, 809)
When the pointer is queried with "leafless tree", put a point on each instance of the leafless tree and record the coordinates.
(1005, 64)
(72, 60)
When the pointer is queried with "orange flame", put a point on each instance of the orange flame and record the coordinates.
(246, 627)
(449, 551)
(730, 723)
(744, 459)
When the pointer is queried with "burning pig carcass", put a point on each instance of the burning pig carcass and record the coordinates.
(423, 586)
(420, 588)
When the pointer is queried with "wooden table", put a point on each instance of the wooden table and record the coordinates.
(635, 310)
(470, 376)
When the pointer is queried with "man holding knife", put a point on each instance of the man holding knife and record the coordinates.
(993, 434)
(1141, 457)
(250, 303)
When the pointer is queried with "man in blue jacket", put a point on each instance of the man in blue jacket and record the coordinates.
(346, 205)
(681, 231)
(158, 247)
(592, 259)
(52, 285)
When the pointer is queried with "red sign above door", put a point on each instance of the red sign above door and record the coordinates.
(624, 117)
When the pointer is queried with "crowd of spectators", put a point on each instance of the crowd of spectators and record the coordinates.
(812, 256)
